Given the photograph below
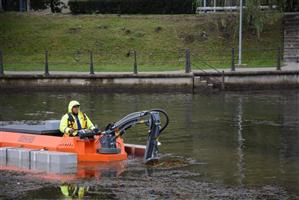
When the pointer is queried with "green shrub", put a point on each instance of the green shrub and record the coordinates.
(132, 6)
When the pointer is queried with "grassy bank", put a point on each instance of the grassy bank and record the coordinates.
(159, 41)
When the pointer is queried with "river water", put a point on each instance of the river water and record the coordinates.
(232, 145)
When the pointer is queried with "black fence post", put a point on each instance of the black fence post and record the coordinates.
(46, 63)
(222, 80)
(188, 61)
(278, 66)
(91, 70)
(233, 68)
(1, 64)
(135, 62)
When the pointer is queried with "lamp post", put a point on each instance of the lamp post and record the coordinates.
(240, 32)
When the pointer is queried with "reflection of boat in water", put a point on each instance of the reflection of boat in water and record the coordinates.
(42, 147)
(62, 173)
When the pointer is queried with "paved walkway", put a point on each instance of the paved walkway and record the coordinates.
(286, 67)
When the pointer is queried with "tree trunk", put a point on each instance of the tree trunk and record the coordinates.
(258, 33)
(1, 5)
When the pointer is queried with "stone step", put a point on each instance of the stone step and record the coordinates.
(291, 28)
(199, 82)
(290, 46)
(203, 84)
(290, 56)
(291, 32)
(294, 31)
(291, 52)
(290, 36)
(210, 85)
(291, 59)
(290, 24)
(292, 16)
(291, 19)
(290, 40)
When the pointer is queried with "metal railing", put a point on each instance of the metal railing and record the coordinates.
(138, 61)
(211, 79)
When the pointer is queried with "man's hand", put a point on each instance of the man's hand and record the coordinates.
(71, 131)
(96, 130)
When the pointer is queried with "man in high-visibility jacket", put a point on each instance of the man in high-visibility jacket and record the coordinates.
(74, 120)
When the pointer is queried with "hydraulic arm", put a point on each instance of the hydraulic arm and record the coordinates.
(151, 118)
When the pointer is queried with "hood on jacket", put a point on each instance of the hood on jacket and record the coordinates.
(72, 104)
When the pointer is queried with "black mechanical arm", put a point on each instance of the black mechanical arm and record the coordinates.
(151, 118)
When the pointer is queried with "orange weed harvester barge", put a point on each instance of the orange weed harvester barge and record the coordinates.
(86, 149)
(88, 146)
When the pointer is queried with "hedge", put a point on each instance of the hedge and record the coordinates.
(132, 6)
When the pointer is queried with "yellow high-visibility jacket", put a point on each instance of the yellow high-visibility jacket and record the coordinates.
(68, 121)
(73, 191)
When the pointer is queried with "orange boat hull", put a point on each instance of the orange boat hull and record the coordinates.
(85, 149)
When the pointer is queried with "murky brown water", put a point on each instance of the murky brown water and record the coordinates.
(234, 145)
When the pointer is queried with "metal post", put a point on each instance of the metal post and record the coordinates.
(240, 32)
(188, 61)
(278, 67)
(21, 5)
(28, 6)
(1, 8)
(233, 68)
(46, 63)
(214, 5)
(1, 64)
(91, 70)
(222, 81)
(135, 62)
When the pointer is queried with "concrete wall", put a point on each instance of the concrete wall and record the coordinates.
(155, 82)
(126, 81)
(258, 80)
